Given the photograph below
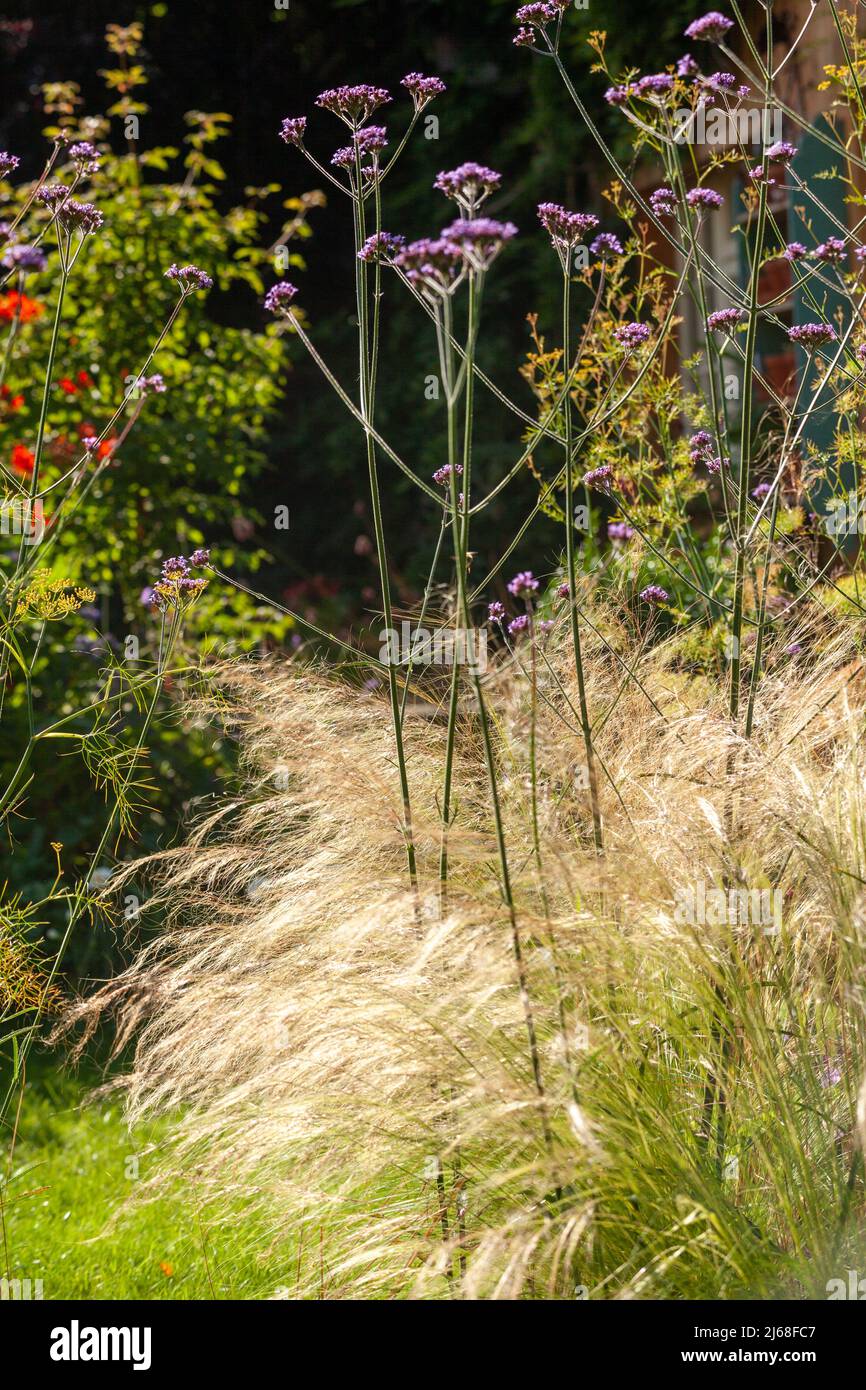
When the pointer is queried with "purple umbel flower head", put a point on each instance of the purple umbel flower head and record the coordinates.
(85, 156)
(279, 297)
(654, 593)
(686, 66)
(523, 585)
(495, 612)
(656, 83)
(433, 266)
(189, 277)
(812, 335)
(442, 476)
(354, 105)
(600, 478)
(794, 251)
(721, 81)
(831, 250)
(8, 164)
(143, 385)
(723, 318)
(480, 239)
(860, 352)
(370, 140)
(71, 215)
(422, 89)
(617, 96)
(663, 202)
(631, 335)
(704, 198)
(199, 558)
(538, 14)
(175, 567)
(381, 246)
(566, 229)
(468, 185)
(619, 531)
(24, 258)
(606, 245)
(563, 591)
(293, 130)
(782, 151)
(712, 27)
(518, 625)
(761, 491)
(524, 38)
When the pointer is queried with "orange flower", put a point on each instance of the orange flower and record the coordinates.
(14, 305)
(22, 460)
(167, 1269)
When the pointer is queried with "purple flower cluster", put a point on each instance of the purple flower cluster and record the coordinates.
(655, 594)
(606, 245)
(782, 151)
(495, 612)
(538, 14)
(663, 202)
(831, 250)
(8, 164)
(617, 96)
(24, 258)
(794, 251)
(354, 105)
(85, 157)
(435, 264)
(479, 239)
(631, 335)
(422, 89)
(686, 66)
(145, 384)
(656, 83)
(176, 583)
(279, 297)
(293, 130)
(468, 185)
(523, 585)
(712, 27)
(189, 277)
(442, 476)
(566, 229)
(619, 531)
(71, 215)
(702, 451)
(518, 625)
(370, 140)
(812, 335)
(600, 478)
(704, 198)
(381, 246)
(761, 492)
(723, 318)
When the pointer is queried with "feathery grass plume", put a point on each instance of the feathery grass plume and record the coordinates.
(364, 1073)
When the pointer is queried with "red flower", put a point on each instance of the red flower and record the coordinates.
(22, 460)
(106, 448)
(84, 379)
(86, 430)
(68, 385)
(14, 305)
(13, 402)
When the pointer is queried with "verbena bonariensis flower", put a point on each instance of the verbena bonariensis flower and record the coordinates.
(422, 89)
(631, 335)
(832, 250)
(619, 531)
(200, 557)
(495, 612)
(794, 251)
(721, 81)
(354, 105)
(480, 239)
(79, 217)
(518, 625)
(524, 38)
(144, 384)
(700, 444)
(724, 318)
(443, 474)
(704, 198)
(566, 229)
(8, 164)
(381, 246)
(85, 156)
(370, 140)
(189, 277)
(654, 593)
(657, 83)
(712, 27)
(606, 245)
(812, 334)
(663, 202)
(686, 66)
(538, 14)
(434, 265)
(523, 585)
(617, 96)
(293, 130)
(600, 478)
(174, 567)
(279, 297)
(563, 591)
(782, 151)
(860, 352)
(24, 258)
(761, 491)
(468, 185)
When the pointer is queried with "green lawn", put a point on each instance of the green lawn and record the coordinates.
(69, 1220)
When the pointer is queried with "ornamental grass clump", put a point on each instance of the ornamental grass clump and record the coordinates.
(541, 975)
